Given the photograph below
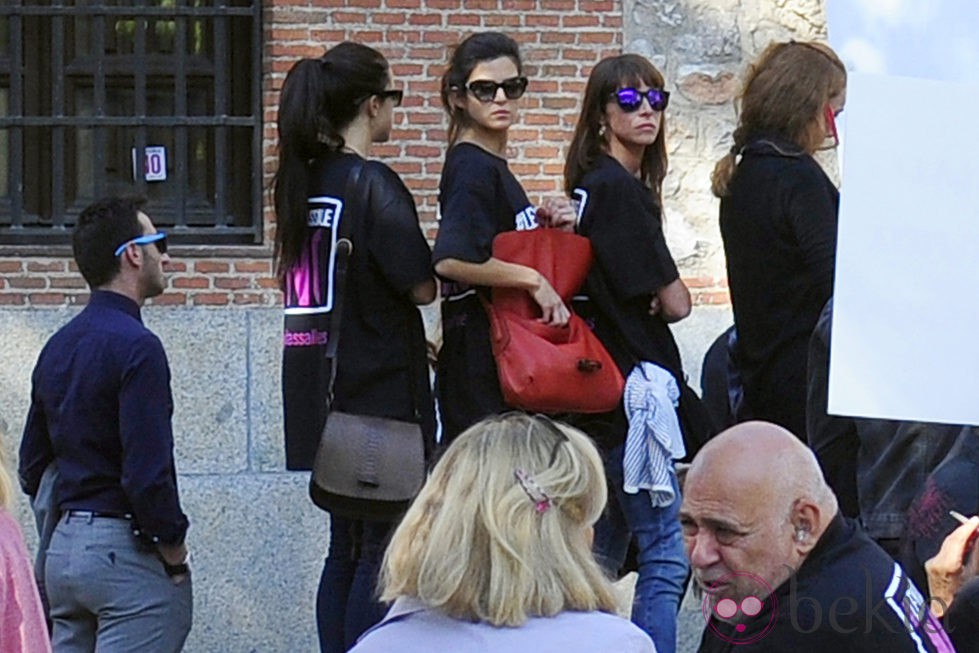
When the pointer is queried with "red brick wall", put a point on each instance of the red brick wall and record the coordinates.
(560, 40)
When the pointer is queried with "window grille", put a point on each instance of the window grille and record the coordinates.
(160, 98)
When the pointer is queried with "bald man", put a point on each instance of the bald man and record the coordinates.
(779, 567)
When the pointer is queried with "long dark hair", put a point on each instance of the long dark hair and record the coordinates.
(588, 142)
(319, 98)
(785, 92)
(474, 50)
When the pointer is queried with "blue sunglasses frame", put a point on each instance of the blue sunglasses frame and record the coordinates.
(159, 239)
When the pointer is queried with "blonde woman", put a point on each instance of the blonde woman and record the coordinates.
(22, 626)
(495, 553)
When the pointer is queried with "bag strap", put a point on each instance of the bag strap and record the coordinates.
(355, 201)
(344, 248)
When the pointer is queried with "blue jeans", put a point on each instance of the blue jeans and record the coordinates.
(346, 602)
(662, 562)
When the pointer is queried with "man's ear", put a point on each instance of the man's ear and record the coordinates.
(807, 525)
(133, 256)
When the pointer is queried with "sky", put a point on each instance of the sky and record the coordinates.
(933, 39)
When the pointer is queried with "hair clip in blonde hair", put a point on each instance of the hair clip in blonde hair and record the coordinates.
(542, 502)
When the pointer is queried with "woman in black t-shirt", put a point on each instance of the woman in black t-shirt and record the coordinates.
(615, 169)
(330, 111)
(479, 198)
(778, 222)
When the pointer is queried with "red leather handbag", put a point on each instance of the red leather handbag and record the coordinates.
(545, 368)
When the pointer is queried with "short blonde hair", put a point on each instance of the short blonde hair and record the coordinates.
(474, 545)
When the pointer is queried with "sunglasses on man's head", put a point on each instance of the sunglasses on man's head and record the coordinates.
(485, 90)
(630, 99)
(159, 239)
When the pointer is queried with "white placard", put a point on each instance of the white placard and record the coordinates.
(154, 163)
(905, 341)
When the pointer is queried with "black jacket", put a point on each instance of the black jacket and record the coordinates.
(847, 597)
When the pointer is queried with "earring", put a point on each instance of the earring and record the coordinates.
(601, 129)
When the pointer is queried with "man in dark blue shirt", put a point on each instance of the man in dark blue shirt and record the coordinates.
(116, 570)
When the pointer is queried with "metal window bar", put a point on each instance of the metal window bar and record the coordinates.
(58, 110)
(227, 228)
(16, 106)
(221, 109)
(100, 146)
(180, 109)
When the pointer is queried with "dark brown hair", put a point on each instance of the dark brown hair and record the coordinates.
(101, 228)
(474, 50)
(588, 143)
(319, 98)
(785, 92)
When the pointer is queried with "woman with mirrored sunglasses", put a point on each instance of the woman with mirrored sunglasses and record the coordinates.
(478, 198)
(778, 216)
(615, 169)
(330, 112)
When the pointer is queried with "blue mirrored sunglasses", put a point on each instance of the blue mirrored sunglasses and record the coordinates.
(630, 99)
(159, 239)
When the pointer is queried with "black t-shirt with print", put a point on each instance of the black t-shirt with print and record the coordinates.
(621, 219)
(382, 350)
(478, 198)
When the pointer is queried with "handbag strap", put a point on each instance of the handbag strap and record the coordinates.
(344, 248)
(356, 202)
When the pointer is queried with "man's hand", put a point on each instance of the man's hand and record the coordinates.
(955, 564)
(174, 554)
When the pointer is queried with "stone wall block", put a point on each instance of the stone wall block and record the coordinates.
(265, 390)
(207, 350)
(258, 546)
(24, 335)
(706, 89)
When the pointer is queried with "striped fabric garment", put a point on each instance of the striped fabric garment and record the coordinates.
(654, 439)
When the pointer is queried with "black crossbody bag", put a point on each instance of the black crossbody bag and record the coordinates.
(365, 467)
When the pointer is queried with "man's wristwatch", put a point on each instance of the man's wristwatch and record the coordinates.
(178, 569)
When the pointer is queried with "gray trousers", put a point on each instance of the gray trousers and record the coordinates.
(109, 593)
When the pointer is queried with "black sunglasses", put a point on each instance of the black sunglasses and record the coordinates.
(485, 90)
(394, 93)
(630, 99)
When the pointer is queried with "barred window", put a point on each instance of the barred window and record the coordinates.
(160, 98)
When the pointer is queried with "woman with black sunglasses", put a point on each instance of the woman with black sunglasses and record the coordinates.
(330, 112)
(778, 222)
(478, 198)
(615, 170)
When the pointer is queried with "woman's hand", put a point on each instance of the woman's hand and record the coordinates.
(654, 305)
(558, 213)
(955, 564)
(555, 313)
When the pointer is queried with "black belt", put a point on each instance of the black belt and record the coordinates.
(98, 514)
